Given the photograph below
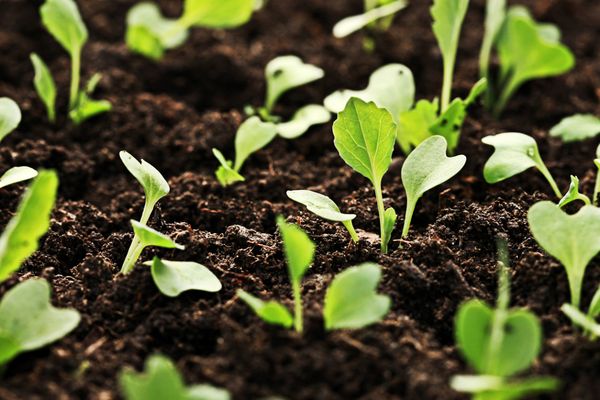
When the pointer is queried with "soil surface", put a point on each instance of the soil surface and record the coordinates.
(172, 114)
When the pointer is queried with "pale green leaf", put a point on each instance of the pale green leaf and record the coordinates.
(415, 124)
(87, 108)
(62, 19)
(175, 277)
(217, 14)
(270, 311)
(495, 13)
(594, 310)
(580, 319)
(207, 392)
(17, 174)
(225, 174)
(303, 119)
(10, 116)
(320, 205)
(577, 127)
(573, 194)
(498, 388)
(151, 237)
(252, 135)
(513, 153)
(448, 16)
(355, 23)
(298, 248)
(44, 85)
(389, 221)
(154, 184)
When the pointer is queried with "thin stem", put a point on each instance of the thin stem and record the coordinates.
(499, 320)
(381, 210)
(298, 323)
(134, 252)
(148, 207)
(596, 189)
(542, 168)
(410, 209)
(351, 231)
(575, 281)
(75, 71)
(447, 85)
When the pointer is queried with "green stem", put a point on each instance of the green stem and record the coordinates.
(134, 252)
(498, 321)
(575, 281)
(351, 231)
(75, 72)
(447, 85)
(298, 322)
(381, 210)
(410, 209)
(542, 168)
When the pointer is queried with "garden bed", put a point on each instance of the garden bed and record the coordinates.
(172, 113)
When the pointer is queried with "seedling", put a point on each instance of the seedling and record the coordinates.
(576, 128)
(28, 321)
(161, 380)
(586, 321)
(426, 167)
(526, 50)
(175, 277)
(62, 19)
(572, 239)
(17, 174)
(324, 207)
(150, 34)
(32, 220)
(10, 116)
(514, 153)
(365, 136)
(498, 344)
(573, 194)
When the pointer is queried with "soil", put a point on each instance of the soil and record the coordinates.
(174, 112)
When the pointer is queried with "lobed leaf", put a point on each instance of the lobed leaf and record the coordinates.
(285, 73)
(573, 194)
(513, 153)
(298, 248)
(270, 311)
(577, 127)
(175, 277)
(154, 184)
(62, 19)
(10, 116)
(303, 119)
(17, 174)
(44, 85)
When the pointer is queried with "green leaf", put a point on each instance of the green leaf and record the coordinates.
(175, 277)
(355, 23)
(9, 349)
(391, 87)
(389, 221)
(498, 388)
(151, 237)
(495, 13)
(573, 194)
(415, 124)
(44, 85)
(62, 19)
(28, 318)
(351, 301)
(573, 239)
(520, 344)
(303, 119)
(285, 73)
(298, 248)
(252, 135)
(17, 174)
(207, 392)
(425, 167)
(225, 174)
(217, 14)
(594, 310)
(271, 311)
(87, 108)
(20, 238)
(580, 319)
(10, 116)
(577, 127)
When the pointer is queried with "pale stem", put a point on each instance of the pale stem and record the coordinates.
(381, 210)
(298, 323)
(410, 209)
(75, 72)
(351, 231)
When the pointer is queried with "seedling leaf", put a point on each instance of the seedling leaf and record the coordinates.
(62, 19)
(20, 238)
(389, 221)
(298, 248)
(225, 174)
(584, 321)
(151, 237)
(573, 239)
(28, 318)
(252, 136)
(426, 167)
(217, 14)
(573, 194)
(303, 119)
(594, 310)
(86, 107)
(175, 277)
(577, 127)
(495, 14)
(351, 301)
(17, 174)
(415, 124)
(10, 116)
(355, 23)
(270, 311)
(44, 85)
(285, 73)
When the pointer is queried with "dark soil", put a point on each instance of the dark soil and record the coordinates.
(173, 112)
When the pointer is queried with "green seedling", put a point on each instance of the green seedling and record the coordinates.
(514, 153)
(425, 168)
(17, 174)
(378, 15)
(352, 302)
(365, 136)
(526, 50)
(62, 19)
(572, 239)
(150, 34)
(28, 321)
(32, 220)
(499, 343)
(573, 194)
(10, 116)
(161, 380)
(252, 135)
(597, 185)
(303, 119)
(324, 207)
(586, 321)
(576, 128)
(175, 277)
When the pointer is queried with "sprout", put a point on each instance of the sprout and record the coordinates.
(161, 380)
(302, 120)
(324, 207)
(514, 153)
(576, 128)
(573, 194)
(10, 116)
(44, 85)
(364, 137)
(175, 277)
(573, 239)
(28, 321)
(586, 321)
(426, 167)
(378, 13)
(17, 174)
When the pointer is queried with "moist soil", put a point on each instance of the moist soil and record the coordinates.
(172, 114)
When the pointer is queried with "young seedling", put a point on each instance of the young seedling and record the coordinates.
(514, 153)
(526, 50)
(324, 207)
(573, 194)
(572, 239)
(161, 381)
(299, 252)
(252, 135)
(32, 220)
(351, 301)
(62, 19)
(499, 343)
(10, 116)
(425, 168)
(150, 34)
(586, 321)
(365, 136)
(576, 128)
(28, 321)
(378, 15)
(175, 277)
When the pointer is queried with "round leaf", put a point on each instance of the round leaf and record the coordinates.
(285, 73)
(513, 153)
(175, 277)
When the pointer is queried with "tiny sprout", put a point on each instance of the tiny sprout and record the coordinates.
(175, 277)
(514, 153)
(573, 194)
(324, 207)
(161, 380)
(586, 321)
(28, 321)
(10, 116)
(573, 239)
(425, 167)
(377, 13)
(576, 128)
(364, 137)
(44, 85)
